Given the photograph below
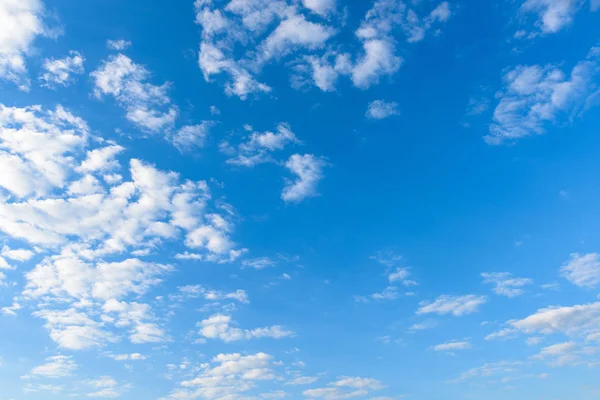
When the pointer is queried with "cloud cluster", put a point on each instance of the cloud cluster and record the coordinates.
(73, 204)
(227, 376)
(240, 37)
(218, 326)
(536, 96)
(21, 22)
(59, 72)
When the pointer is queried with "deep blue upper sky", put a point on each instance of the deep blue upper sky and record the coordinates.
(303, 199)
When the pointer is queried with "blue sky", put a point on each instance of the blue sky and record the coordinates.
(299, 199)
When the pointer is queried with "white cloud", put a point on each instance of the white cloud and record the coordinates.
(575, 321)
(20, 23)
(147, 105)
(379, 59)
(560, 354)
(583, 270)
(380, 109)
(59, 72)
(321, 7)
(106, 387)
(56, 367)
(16, 254)
(452, 346)
(74, 330)
(455, 305)
(128, 357)
(536, 96)
(218, 327)
(118, 45)
(259, 146)
(507, 369)
(345, 388)
(192, 136)
(36, 148)
(309, 171)
(238, 295)
(292, 32)
(505, 284)
(389, 293)
(58, 204)
(553, 15)
(401, 275)
(227, 376)
(281, 29)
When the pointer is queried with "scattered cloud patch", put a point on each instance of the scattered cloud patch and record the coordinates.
(454, 305)
(380, 109)
(59, 72)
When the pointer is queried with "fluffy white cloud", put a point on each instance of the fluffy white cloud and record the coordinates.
(321, 7)
(309, 171)
(16, 254)
(455, 305)
(552, 15)
(59, 72)
(536, 96)
(55, 367)
(58, 203)
(218, 326)
(452, 346)
(282, 29)
(583, 270)
(227, 376)
(74, 330)
(147, 105)
(380, 109)
(36, 148)
(291, 33)
(106, 387)
(575, 321)
(21, 21)
(505, 284)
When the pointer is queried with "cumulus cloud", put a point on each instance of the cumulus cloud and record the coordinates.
(380, 109)
(309, 171)
(455, 305)
(536, 96)
(283, 30)
(552, 16)
(21, 22)
(58, 199)
(147, 105)
(59, 72)
(218, 326)
(227, 376)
